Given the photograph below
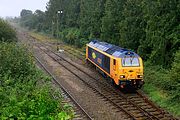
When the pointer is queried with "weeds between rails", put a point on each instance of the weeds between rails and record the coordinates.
(158, 110)
(79, 109)
(128, 100)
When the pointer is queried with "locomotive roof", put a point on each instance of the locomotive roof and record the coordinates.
(113, 50)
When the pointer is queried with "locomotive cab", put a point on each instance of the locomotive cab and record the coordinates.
(131, 70)
(127, 69)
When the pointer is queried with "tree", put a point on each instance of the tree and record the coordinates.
(148, 27)
(162, 38)
(111, 19)
(25, 13)
(39, 18)
(133, 24)
(90, 18)
(26, 18)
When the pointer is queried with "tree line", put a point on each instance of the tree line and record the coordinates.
(149, 27)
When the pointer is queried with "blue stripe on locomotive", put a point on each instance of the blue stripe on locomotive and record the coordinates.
(100, 59)
(113, 50)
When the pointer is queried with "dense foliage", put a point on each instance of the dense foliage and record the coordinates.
(163, 85)
(164, 79)
(147, 27)
(7, 34)
(25, 92)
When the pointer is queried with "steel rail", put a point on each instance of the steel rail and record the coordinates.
(94, 89)
(150, 116)
(64, 89)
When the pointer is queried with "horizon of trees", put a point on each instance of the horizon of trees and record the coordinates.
(150, 28)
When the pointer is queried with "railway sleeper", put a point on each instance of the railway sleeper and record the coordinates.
(145, 107)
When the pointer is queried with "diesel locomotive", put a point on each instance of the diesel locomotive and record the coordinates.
(122, 66)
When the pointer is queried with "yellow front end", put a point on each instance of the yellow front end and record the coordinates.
(131, 75)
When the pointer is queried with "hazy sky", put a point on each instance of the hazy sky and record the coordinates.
(14, 7)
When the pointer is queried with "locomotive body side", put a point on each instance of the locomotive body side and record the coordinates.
(106, 63)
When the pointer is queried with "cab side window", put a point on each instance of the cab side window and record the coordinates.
(114, 62)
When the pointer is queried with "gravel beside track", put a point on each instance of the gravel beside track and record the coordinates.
(135, 111)
(80, 113)
(131, 106)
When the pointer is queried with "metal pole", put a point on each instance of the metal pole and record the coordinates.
(52, 28)
(57, 32)
(57, 29)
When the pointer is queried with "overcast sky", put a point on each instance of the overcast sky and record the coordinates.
(14, 7)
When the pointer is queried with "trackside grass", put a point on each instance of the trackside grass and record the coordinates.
(161, 85)
(162, 88)
(162, 98)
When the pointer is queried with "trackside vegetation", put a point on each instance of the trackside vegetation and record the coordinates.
(162, 85)
(150, 28)
(7, 34)
(25, 91)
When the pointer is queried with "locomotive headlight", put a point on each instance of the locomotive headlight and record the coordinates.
(122, 76)
(140, 76)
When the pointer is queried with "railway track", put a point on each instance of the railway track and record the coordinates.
(80, 113)
(131, 108)
(134, 105)
(76, 53)
(137, 97)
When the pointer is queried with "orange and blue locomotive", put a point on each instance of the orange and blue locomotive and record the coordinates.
(122, 66)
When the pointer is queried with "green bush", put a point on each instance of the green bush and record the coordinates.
(82, 42)
(7, 34)
(163, 85)
(25, 92)
(157, 76)
(176, 67)
(164, 79)
(73, 36)
(175, 76)
(14, 61)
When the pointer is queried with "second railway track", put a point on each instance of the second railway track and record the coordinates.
(80, 113)
(131, 108)
(136, 106)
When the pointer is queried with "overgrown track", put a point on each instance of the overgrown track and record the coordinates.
(64, 63)
(76, 54)
(80, 113)
(117, 99)
(136, 105)
(149, 106)
(137, 96)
